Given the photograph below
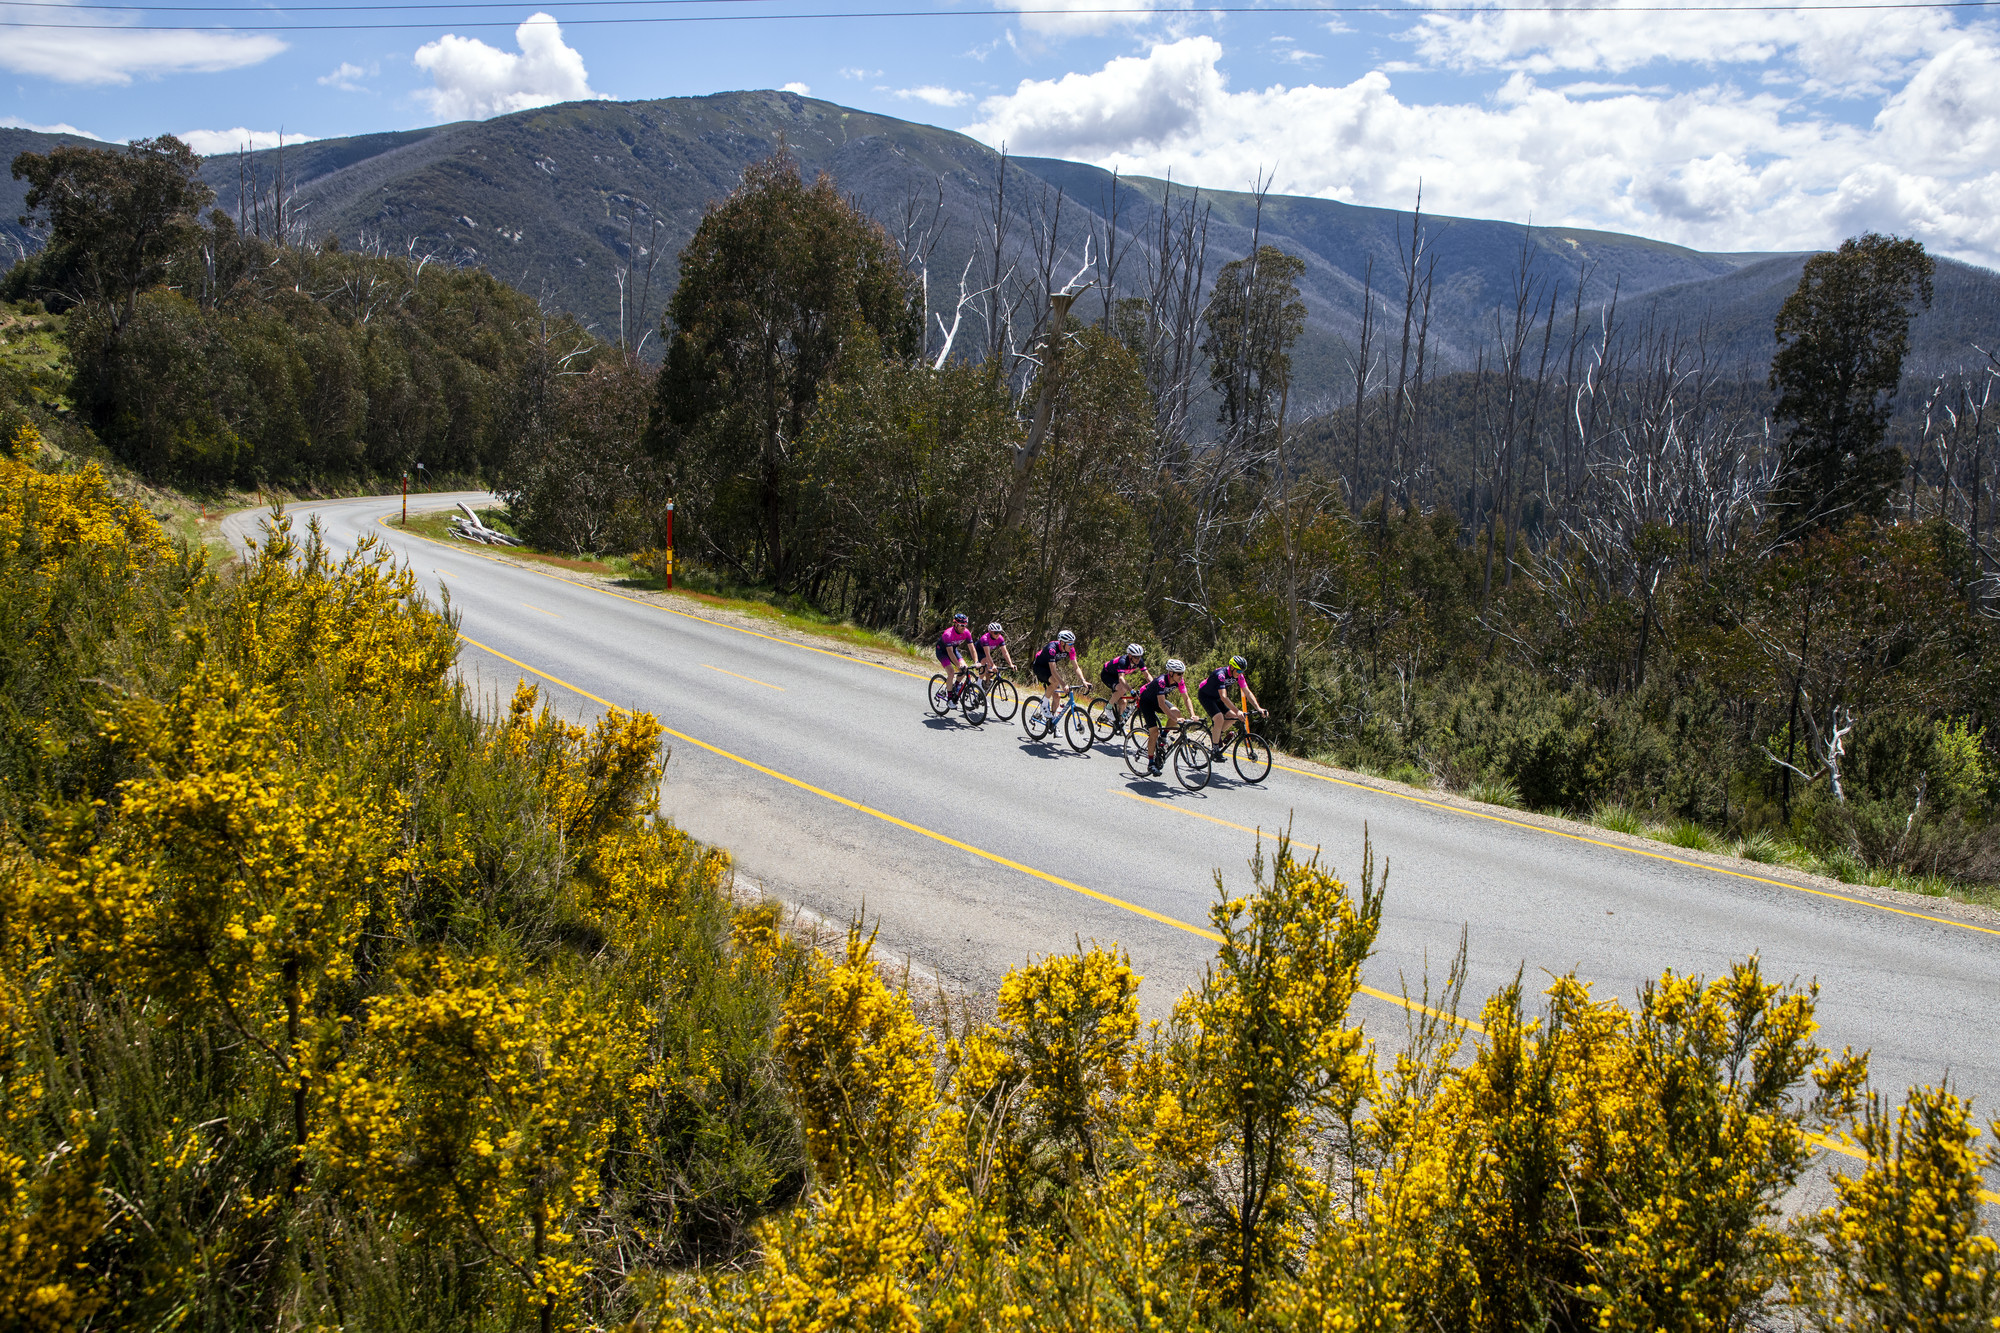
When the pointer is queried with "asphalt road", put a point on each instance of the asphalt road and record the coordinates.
(975, 849)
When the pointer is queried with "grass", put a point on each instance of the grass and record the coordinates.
(788, 612)
(1619, 819)
(1692, 836)
(1495, 791)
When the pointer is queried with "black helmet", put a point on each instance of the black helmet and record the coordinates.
(1241, 664)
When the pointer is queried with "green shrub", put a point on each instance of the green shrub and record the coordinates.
(1495, 791)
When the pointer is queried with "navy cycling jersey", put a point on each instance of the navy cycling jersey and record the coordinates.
(1152, 690)
(1223, 678)
(1055, 650)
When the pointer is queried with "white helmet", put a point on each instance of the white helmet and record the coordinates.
(993, 628)
(1175, 666)
(1065, 637)
(1134, 651)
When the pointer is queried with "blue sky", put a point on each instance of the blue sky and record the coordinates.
(1728, 130)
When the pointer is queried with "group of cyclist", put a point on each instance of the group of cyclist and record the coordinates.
(1162, 696)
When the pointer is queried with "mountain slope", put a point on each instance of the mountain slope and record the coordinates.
(553, 199)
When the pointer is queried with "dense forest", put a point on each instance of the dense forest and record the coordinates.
(1592, 572)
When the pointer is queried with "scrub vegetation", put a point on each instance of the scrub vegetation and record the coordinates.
(331, 1002)
(330, 997)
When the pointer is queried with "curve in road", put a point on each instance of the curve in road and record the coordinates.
(974, 848)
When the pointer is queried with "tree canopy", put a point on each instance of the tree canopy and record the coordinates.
(782, 282)
(1841, 339)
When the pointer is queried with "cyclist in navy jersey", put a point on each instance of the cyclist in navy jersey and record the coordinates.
(1214, 696)
(1155, 697)
(1113, 673)
(954, 649)
(1054, 656)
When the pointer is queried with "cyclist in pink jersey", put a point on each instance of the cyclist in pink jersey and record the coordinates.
(992, 646)
(954, 649)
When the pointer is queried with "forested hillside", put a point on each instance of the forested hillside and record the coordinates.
(586, 206)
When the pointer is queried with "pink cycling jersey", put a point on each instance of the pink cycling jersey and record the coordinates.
(953, 637)
(987, 642)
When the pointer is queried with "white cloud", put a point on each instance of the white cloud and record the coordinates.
(861, 74)
(347, 77)
(1841, 52)
(210, 142)
(84, 50)
(1710, 166)
(471, 80)
(802, 89)
(934, 95)
(60, 127)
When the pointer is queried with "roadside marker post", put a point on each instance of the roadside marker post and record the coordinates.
(670, 546)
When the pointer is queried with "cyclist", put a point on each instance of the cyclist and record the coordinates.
(1214, 696)
(1113, 673)
(954, 648)
(1155, 696)
(1056, 653)
(992, 646)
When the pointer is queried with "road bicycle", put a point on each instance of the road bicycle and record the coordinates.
(1075, 727)
(1001, 696)
(1250, 752)
(963, 692)
(1107, 725)
(1184, 745)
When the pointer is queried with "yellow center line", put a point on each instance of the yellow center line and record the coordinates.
(1196, 814)
(1400, 1001)
(982, 853)
(655, 606)
(1637, 851)
(532, 607)
(752, 679)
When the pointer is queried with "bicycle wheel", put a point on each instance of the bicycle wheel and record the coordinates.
(1194, 763)
(940, 695)
(1034, 719)
(1253, 757)
(1137, 760)
(1102, 723)
(1077, 730)
(972, 702)
(1003, 699)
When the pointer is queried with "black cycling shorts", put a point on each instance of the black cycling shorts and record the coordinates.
(1149, 710)
(1042, 672)
(1110, 679)
(1211, 700)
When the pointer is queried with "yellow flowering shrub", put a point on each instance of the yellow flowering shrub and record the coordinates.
(480, 1111)
(1272, 1060)
(1902, 1247)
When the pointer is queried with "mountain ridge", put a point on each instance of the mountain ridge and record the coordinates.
(555, 199)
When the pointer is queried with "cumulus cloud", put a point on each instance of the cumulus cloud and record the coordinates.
(471, 80)
(347, 77)
(84, 50)
(60, 127)
(800, 88)
(210, 142)
(934, 95)
(1712, 166)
